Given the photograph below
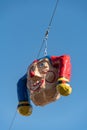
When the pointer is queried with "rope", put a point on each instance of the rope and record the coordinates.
(10, 127)
(53, 13)
(45, 50)
(47, 32)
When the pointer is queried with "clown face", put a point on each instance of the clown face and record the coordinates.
(41, 75)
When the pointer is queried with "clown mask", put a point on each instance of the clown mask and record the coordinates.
(41, 75)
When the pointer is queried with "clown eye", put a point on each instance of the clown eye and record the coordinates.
(42, 64)
(32, 68)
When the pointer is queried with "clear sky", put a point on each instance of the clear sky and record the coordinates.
(22, 27)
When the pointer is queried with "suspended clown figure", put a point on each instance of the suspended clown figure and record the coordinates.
(45, 81)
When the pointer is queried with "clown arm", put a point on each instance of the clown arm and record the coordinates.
(63, 64)
(65, 67)
(64, 73)
(24, 107)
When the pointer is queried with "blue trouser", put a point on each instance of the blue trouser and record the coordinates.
(22, 91)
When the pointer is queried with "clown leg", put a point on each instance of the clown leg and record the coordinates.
(24, 106)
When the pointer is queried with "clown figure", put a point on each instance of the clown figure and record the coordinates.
(46, 80)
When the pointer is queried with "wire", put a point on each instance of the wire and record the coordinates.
(53, 13)
(44, 41)
(12, 120)
(45, 50)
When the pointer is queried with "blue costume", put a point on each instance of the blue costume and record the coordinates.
(24, 106)
(22, 91)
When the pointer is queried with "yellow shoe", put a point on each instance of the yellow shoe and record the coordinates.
(24, 108)
(64, 89)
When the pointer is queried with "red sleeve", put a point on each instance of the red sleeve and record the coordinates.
(63, 64)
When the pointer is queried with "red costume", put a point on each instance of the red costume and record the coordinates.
(63, 64)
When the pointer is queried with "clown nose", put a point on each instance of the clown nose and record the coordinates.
(32, 74)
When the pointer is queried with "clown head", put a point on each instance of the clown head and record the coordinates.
(49, 77)
(42, 75)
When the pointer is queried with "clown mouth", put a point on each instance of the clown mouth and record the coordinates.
(37, 85)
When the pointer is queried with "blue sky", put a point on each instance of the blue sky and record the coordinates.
(22, 27)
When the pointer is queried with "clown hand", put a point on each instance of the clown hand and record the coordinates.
(24, 108)
(63, 87)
